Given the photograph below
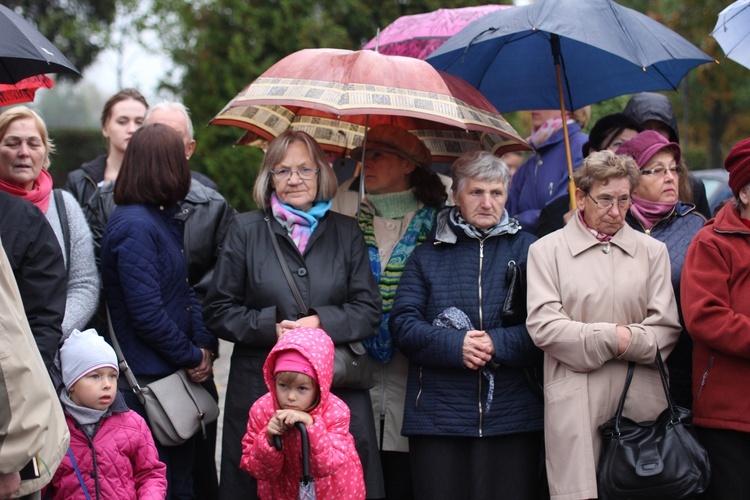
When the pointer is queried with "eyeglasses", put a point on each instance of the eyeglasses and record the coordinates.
(304, 173)
(606, 203)
(662, 172)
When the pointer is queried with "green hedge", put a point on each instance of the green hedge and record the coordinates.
(73, 148)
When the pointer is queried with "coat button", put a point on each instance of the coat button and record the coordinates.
(301, 272)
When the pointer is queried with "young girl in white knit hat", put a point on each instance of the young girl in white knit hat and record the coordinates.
(112, 453)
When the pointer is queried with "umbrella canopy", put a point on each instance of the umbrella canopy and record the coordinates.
(732, 31)
(603, 49)
(25, 52)
(336, 95)
(418, 35)
(340, 135)
(344, 83)
(24, 90)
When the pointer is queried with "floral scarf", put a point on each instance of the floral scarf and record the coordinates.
(381, 347)
(39, 194)
(298, 224)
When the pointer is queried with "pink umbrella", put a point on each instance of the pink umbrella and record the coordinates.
(419, 35)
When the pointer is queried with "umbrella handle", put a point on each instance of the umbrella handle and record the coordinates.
(277, 442)
(306, 477)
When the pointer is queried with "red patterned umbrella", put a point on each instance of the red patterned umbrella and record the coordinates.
(23, 90)
(337, 94)
(419, 35)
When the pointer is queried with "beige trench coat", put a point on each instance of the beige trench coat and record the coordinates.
(579, 290)
(31, 419)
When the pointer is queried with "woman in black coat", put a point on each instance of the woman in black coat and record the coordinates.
(249, 301)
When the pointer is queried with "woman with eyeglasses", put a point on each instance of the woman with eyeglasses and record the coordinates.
(658, 212)
(599, 296)
(250, 303)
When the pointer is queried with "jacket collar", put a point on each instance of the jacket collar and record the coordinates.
(579, 239)
(94, 169)
(728, 221)
(447, 232)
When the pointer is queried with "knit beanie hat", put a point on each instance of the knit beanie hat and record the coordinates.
(645, 145)
(737, 163)
(293, 361)
(84, 352)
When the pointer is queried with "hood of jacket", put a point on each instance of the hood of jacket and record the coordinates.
(652, 106)
(316, 346)
(728, 221)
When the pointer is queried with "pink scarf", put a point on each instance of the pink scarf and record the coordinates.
(650, 212)
(599, 236)
(39, 194)
(540, 135)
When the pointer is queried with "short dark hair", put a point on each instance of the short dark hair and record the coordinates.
(122, 95)
(154, 169)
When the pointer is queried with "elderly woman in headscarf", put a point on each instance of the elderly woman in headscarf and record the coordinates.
(600, 296)
(472, 417)
(716, 306)
(658, 212)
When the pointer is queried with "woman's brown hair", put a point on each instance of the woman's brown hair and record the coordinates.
(154, 170)
(122, 95)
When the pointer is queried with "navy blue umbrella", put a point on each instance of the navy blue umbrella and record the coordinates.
(566, 54)
(25, 52)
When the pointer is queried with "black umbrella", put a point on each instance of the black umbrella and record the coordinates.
(25, 52)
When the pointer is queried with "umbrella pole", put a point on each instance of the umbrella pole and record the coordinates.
(362, 168)
(555, 41)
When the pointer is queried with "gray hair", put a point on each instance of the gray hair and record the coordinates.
(479, 165)
(172, 105)
(605, 165)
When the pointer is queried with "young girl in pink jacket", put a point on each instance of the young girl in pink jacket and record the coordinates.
(298, 374)
(112, 454)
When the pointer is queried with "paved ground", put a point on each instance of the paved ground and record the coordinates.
(221, 373)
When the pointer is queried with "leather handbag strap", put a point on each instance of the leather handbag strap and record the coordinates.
(124, 368)
(629, 378)
(285, 269)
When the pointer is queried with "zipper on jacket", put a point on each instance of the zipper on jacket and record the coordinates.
(703, 379)
(481, 327)
(419, 393)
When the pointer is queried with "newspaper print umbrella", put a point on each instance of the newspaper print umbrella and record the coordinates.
(24, 90)
(732, 31)
(340, 135)
(418, 35)
(25, 52)
(345, 92)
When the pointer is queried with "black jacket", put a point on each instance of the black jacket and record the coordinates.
(37, 262)
(248, 295)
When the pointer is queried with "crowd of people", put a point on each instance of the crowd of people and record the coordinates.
(467, 400)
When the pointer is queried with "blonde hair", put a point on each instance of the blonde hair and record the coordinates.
(20, 113)
(582, 116)
(327, 182)
(604, 165)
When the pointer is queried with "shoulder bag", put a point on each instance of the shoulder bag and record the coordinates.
(660, 459)
(351, 368)
(176, 407)
(513, 311)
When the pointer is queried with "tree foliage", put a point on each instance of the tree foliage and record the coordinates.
(78, 28)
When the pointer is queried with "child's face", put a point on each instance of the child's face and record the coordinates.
(96, 389)
(299, 394)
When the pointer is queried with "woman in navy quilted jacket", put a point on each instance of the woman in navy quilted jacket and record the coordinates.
(658, 212)
(155, 314)
(473, 420)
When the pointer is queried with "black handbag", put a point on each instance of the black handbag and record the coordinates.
(513, 311)
(351, 368)
(660, 459)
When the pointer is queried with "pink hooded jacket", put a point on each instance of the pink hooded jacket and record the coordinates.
(127, 462)
(334, 463)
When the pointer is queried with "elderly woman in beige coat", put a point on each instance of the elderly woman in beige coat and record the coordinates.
(599, 296)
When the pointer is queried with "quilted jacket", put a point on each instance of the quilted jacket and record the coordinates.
(123, 455)
(677, 230)
(334, 463)
(452, 269)
(154, 311)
